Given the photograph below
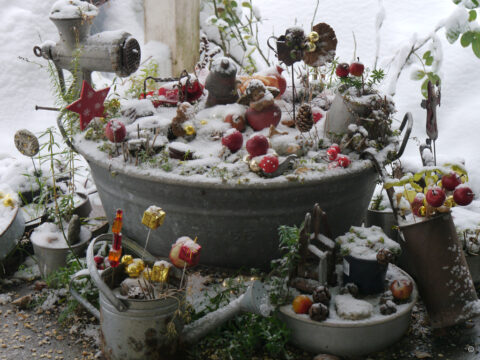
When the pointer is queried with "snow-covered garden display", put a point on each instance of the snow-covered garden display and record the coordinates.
(233, 139)
(232, 151)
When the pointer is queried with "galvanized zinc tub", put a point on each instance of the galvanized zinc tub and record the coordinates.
(235, 223)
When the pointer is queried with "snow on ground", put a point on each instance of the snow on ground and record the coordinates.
(25, 24)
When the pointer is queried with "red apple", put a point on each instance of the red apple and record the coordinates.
(233, 140)
(301, 304)
(115, 131)
(436, 196)
(356, 68)
(451, 181)
(336, 147)
(184, 246)
(463, 195)
(417, 203)
(259, 120)
(332, 153)
(343, 160)
(257, 145)
(342, 70)
(237, 121)
(401, 289)
(317, 115)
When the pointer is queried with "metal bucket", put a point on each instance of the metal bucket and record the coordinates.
(368, 275)
(132, 329)
(51, 259)
(442, 273)
(237, 224)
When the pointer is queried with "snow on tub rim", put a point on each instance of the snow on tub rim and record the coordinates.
(237, 224)
(350, 337)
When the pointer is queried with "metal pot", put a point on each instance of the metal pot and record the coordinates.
(51, 259)
(368, 275)
(343, 112)
(237, 224)
(442, 273)
(348, 338)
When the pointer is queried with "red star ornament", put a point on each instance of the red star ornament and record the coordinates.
(89, 105)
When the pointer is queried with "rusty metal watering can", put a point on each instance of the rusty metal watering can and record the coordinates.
(136, 329)
(436, 260)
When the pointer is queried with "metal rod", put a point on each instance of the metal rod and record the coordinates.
(46, 108)
(434, 154)
(293, 93)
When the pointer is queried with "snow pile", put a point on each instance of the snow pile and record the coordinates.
(350, 308)
(72, 9)
(364, 242)
(48, 235)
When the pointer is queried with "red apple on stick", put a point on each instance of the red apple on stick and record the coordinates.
(357, 68)
(463, 195)
(436, 196)
(451, 181)
(257, 145)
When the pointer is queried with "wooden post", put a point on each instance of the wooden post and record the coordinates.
(175, 23)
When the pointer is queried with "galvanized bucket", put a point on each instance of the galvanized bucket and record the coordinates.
(237, 224)
(132, 329)
(51, 259)
(441, 271)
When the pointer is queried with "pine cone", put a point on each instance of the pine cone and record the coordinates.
(304, 119)
(321, 294)
(385, 256)
(349, 288)
(318, 312)
(388, 308)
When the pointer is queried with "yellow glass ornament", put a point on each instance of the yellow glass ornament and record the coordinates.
(189, 130)
(254, 165)
(153, 217)
(422, 211)
(203, 122)
(8, 201)
(139, 263)
(313, 36)
(133, 270)
(449, 202)
(311, 47)
(127, 260)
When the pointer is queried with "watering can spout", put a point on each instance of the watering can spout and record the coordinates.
(255, 300)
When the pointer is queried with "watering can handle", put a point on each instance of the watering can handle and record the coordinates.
(270, 45)
(92, 269)
(92, 309)
(408, 121)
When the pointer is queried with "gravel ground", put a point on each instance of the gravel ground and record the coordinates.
(31, 330)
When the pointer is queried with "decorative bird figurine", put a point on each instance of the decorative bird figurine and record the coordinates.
(270, 77)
